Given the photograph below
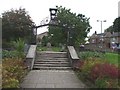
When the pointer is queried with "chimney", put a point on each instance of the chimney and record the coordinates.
(95, 32)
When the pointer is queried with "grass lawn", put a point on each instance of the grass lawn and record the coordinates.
(41, 48)
(56, 49)
(112, 58)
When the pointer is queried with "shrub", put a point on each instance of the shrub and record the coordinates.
(104, 70)
(19, 46)
(88, 54)
(9, 54)
(13, 71)
(106, 83)
(88, 64)
(78, 65)
(18, 52)
(11, 83)
(98, 70)
(12, 54)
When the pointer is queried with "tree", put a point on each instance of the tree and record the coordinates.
(16, 24)
(116, 25)
(110, 29)
(73, 27)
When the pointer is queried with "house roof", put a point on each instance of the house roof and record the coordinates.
(116, 34)
(106, 34)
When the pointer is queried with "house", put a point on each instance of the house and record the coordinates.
(105, 40)
(115, 39)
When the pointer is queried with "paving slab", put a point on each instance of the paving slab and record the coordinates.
(52, 79)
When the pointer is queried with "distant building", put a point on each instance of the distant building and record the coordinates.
(105, 40)
(40, 36)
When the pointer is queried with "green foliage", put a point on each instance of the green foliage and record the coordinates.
(112, 58)
(42, 48)
(103, 74)
(101, 83)
(109, 57)
(18, 52)
(107, 83)
(11, 83)
(13, 70)
(56, 49)
(100, 68)
(110, 29)
(88, 54)
(19, 46)
(9, 54)
(88, 64)
(116, 25)
(16, 24)
(44, 41)
(70, 22)
(6, 44)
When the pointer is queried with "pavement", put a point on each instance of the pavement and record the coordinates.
(52, 79)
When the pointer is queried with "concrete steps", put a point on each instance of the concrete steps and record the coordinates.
(43, 62)
(51, 68)
(52, 61)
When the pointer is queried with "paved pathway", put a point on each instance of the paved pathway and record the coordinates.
(52, 79)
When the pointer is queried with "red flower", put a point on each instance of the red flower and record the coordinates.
(104, 70)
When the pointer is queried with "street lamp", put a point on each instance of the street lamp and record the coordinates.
(101, 23)
(101, 32)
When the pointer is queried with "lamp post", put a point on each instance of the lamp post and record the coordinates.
(101, 21)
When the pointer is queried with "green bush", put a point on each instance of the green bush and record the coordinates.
(19, 45)
(12, 54)
(100, 72)
(100, 68)
(18, 51)
(11, 83)
(88, 64)
(88, 54)
(8, 54)
(107, 83)
(41, 48)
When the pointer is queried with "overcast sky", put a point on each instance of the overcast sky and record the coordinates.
(95, 9)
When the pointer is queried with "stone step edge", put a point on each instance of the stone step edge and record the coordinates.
(51, 68)
(52, 62)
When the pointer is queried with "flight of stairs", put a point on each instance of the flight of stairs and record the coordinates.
(51, 61)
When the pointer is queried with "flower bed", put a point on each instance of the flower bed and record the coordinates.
(98, 71)
(13, 71)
